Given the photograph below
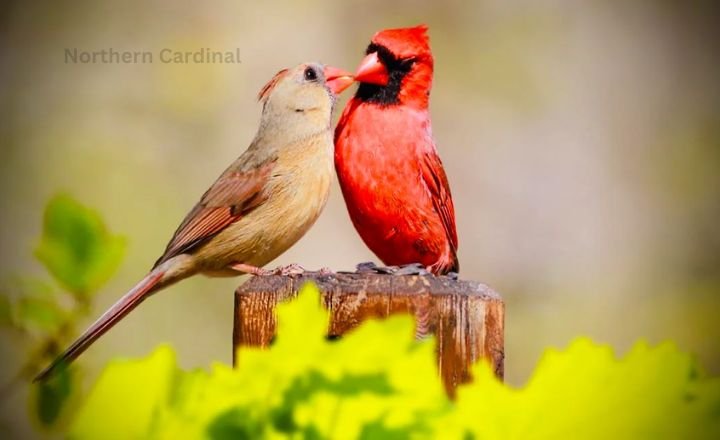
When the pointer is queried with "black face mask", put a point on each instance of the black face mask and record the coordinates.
(397, 70)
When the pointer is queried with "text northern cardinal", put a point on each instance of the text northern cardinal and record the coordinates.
(392, 179)
(260, 206)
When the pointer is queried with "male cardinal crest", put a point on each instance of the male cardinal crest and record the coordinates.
(392, 179)
(260, 206)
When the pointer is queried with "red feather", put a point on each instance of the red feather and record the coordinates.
(405, 42)
(434, 176)
(394, 186)
(391, 176)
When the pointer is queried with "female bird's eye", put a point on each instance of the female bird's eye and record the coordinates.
(310, 74)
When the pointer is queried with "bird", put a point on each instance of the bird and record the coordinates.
(260, 205)
(393, 181)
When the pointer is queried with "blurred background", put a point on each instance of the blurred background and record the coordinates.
(581, 140)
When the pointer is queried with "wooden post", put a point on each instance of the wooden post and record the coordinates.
(467, 317)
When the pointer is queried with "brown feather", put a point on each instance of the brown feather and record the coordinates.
(259, 207)
(231, 197)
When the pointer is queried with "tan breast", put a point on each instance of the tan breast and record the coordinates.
(299, 188)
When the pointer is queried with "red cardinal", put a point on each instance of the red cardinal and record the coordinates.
(392, 179)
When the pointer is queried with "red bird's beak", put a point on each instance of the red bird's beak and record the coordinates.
(337, 79)
(372, 71)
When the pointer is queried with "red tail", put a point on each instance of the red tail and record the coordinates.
(111, 317)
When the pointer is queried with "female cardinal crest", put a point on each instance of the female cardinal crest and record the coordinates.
(391, 176)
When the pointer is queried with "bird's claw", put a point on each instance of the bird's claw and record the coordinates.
(453, 275)
(385, 270)
(412, 269)
(408, 269)
(290, 269)
(370, 267)
(366, 267)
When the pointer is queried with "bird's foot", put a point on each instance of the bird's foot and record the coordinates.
(250, 269)
(325, 271)
(290, 269)
(366, 267)
(370, 267)
(453, 275)
(407, 269)
(412, 269)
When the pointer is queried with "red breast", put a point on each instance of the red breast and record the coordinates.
(391, 177)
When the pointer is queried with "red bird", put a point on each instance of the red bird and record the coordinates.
(392, 179)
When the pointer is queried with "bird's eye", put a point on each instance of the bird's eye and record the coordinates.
(407, 63)
(310, 74)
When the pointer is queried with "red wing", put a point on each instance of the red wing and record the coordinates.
(231, 197)
(434, 176)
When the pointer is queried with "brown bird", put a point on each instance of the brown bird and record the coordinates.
(259, 207)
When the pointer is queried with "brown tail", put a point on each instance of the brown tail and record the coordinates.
(111, 317)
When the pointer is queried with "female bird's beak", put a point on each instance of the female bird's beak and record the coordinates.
(372, 71)
(337, 79)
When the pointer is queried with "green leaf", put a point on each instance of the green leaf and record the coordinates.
(76, 247)
(585, 392)
(127, 397)
(33, 307)
(22, 286)
(378, 431)
(379, 382)
(51, 396)
(39, 314)
(6, 318)
(304, 386)
(234, 424)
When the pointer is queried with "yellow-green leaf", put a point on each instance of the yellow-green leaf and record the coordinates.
(379, 382)
(39, 314)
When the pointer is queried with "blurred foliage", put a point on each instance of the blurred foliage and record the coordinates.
(51, 397)
(80, 254)
(584, 392)
(76, 248)
(380, 383)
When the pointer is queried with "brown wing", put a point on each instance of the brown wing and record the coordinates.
(434, 176)
(231, 197)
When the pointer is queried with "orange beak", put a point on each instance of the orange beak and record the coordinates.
(372, 71)
(337, 79)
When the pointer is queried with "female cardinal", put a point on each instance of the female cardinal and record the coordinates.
(260, 206)
(392, 179)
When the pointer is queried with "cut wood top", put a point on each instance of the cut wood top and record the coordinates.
(359, 283)
(467, 317)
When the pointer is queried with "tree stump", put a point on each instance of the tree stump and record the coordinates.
(466, 317)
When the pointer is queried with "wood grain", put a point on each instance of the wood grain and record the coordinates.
(466, 317)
